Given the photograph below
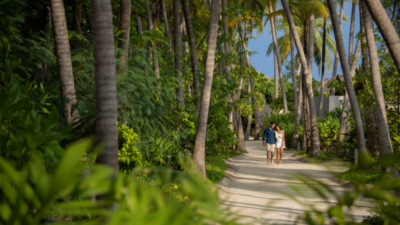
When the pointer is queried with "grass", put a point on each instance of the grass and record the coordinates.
(369, 176)
(325, 156)
(216, 166)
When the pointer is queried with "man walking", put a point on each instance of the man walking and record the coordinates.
(269, 133)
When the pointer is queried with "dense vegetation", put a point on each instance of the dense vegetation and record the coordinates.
(118, 110)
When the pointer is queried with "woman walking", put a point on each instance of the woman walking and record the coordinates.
(280, 143)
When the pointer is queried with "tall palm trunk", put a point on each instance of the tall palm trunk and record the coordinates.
(347, 78)
(372, 140)
(380, 109)
(201, 134)
(309, 91)
(154, 47)
(343, 117)
(306, 145)
(241, 142)
(167, 31)
(298, 101)
(386, 28)
(193, 54)
(63, 57)
(124, 26)
(78, 16)
(293, 71)
(249, 118)
(178, 52)
(311, 41)
(278, 60)
(335, 62)
(105, 78)
(276, 77)
(321, 95)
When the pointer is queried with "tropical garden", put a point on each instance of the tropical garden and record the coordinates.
(123, 111)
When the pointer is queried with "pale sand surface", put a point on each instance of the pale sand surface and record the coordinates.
(252, 189)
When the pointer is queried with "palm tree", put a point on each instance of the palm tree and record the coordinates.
(293, 71)
(78, 16)
(167, 32)
(226, 68)
(347, 77)
(154, 47)
(278, 60)
(193, 54)
(63, 57)
(140, 32)
(201, 134)
(335, 63)
(178, 51)
(380, 108)
(124, 26)
(386, 28)
(321, 95)
(309, 91)
(105, 78)
(298, 101)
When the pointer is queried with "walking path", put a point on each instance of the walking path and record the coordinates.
(254, 190)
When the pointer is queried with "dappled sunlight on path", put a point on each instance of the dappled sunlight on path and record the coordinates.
(255, 190)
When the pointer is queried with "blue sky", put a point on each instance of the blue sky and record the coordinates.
(265, 64)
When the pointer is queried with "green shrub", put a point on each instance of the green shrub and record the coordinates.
(328, 130)
(128, 155)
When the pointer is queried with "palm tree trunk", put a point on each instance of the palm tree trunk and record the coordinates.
(201, 134)
(248, 128)
(309, 91)
(386, 28)
(78, 16)
(257, 127)
(297, 117)
(348, 79)
(154, 47)
(167, 31)
(321, 95)
(278, 60)
(380, 109)
(241, 142)
(276, 78)
(372, 140)
(124, 26)
(63, 57)
(293, 71)
(140, 32)
(178, 52)
(105, 78)
(335, 62)
(306, 145)
(352, 65)
(226, 68)
(193, 54)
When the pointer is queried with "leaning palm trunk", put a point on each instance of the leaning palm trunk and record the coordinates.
(321, 95)
(380, 109)
(278, 60)
(276, 77)
(310, 53)
(124, 26)
(306, 109)
(386, 28)
(343, 118)
(193, 54)
(201, 134)
(309, 91)
(105, 78)
(348, 79)
(63, 57)
(178, 52)
(335, 62)
(241, 142)
(154, 47)
(372, 140)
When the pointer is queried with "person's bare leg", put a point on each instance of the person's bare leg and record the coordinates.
(268, 153)
(277, 157)
(272, 157)
(281, 154)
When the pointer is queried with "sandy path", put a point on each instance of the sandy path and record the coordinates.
(252, 189)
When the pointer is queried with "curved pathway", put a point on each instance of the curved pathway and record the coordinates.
(256, 191)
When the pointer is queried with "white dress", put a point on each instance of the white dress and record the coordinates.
(279, 140)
